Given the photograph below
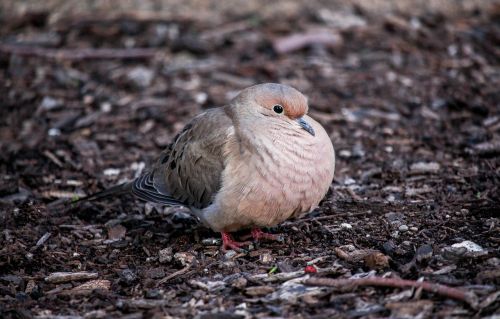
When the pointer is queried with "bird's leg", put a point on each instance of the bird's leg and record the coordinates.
(258, 234)
(229, 243)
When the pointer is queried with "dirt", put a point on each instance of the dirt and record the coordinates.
(411, 103)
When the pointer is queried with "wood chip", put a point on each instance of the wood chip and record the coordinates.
(299, 41)
(60, 277)
(90, 286)
(259, 291)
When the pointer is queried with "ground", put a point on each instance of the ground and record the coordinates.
(410, 99)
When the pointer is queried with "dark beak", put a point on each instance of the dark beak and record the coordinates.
(305, 126)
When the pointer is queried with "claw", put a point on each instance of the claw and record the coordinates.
(229, 243)
(258, 234)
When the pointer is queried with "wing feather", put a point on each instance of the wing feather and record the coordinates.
(189, 171)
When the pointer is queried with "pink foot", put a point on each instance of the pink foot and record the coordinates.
(229, 243)
(258, 234)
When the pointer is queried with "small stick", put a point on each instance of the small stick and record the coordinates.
(354, 196)
(43, 239)
(60, 277)
(53, 158)
(173, 275)
(78, 54)
(450, 292)
(327, 217)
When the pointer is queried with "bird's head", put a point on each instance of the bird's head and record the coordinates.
(272, 105)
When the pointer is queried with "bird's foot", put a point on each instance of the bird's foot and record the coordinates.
(258, 234)
(229, 243)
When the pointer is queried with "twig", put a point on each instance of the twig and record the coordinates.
(78, 54)
(78, 21)
(284, 276)
(298, 41)
(60, 277)
(334, 216)
(53, 158)
(224, 30)
(454, 293)
(43, 239)
(173, 275)
(354, 196)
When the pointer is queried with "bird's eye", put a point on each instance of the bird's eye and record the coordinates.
(278, 109)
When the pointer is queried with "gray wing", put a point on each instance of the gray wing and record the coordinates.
(189, 171)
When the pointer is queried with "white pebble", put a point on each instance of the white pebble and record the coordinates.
(201, 97)
(54, 132)
(349, 181)
(111, 171)
(469, 245)
(346, 225)
(345, 153)
(105, 107)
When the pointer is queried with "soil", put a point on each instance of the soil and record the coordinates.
(411, 102)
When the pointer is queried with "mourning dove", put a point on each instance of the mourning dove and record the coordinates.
(253, 163)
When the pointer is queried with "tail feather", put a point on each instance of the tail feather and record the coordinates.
(142, 187)
(120, 189)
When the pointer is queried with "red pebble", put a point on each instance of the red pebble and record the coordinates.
(310, 269)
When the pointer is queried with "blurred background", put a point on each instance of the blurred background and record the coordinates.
(92, 91)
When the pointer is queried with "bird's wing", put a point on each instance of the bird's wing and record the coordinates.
(189, 171)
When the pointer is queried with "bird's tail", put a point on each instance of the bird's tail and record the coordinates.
(121, 189)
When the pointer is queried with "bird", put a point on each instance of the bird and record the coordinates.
(251, 164)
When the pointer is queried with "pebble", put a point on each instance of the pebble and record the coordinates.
(128, 276)
(201, 97)
(469, 246)
(403, 228)
(349, 181)
(105, 107)
(394, 217)
(48, 103)
(165, 255)
(153, 294)
(211, 242)
(184, 258)
(464, 249)
(377, 260)
(494, 261)
(155, 273)
(266, 258)
(346, 225)
(54, 132)
(345, 153)
(348, 248)
(230, 254)
(389, 247)
(240, 283)
(141, 76)
(111, 171)
(424, 252)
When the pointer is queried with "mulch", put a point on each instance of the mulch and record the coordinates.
(411, 104)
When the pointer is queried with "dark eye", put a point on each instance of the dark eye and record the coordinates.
(278, 109)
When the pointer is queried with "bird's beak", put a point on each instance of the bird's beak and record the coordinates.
(305, 126)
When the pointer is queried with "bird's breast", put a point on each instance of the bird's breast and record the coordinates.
(274, 179)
